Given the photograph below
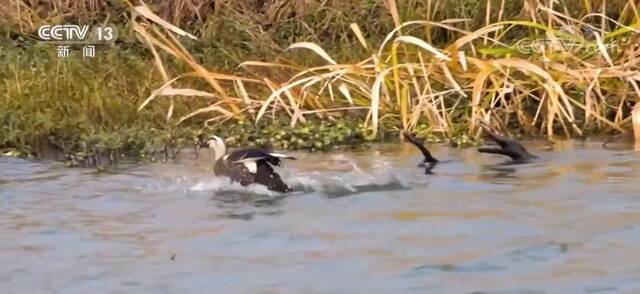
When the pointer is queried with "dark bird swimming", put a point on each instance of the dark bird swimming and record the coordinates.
(508, 147)
(429, 162)
(248, 166)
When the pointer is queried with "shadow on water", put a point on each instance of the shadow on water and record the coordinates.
(475, 267)
(529, 256)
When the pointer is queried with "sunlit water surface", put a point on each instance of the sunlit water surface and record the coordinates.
(359, 222)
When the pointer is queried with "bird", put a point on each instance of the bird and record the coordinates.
(248, 166)
(429, 162)
(508, 147)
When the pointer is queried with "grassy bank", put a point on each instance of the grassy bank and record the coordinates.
(435, 67)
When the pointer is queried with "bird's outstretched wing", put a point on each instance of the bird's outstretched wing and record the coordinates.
(508, 147)
(253, 155)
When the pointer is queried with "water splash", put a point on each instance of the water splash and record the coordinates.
(332, 184)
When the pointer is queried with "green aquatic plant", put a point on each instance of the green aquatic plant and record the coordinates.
(313, 135)
(50, 105)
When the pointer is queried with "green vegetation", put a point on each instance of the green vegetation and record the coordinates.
(313, 74)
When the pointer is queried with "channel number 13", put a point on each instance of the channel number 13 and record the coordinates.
(105, 34)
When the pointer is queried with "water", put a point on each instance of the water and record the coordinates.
(359, 222)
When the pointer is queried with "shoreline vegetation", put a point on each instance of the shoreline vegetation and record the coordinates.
(314, 74)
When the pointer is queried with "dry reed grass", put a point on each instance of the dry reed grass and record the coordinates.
(583, 77)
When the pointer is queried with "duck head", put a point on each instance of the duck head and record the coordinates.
(217, 144)
(265, 175)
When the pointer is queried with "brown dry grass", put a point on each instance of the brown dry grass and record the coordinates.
(448, 69)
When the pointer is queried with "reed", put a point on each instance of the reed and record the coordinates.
(576, 74)
(436, 67)
(635, 114)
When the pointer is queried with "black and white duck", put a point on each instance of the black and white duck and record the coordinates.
(507, 146)
(248, 166)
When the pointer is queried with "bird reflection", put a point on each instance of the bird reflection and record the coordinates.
(428, 168)
(244, 205)
(502, 171)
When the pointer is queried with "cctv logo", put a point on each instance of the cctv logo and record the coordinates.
(66, 34)
(63, 32)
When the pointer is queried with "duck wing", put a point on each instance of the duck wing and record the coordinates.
(266, 176)
(255, 154)
(242, 174)
(500, 140)
(237, 172)
(508, 147)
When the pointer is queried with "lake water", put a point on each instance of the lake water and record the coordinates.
(359, 222)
